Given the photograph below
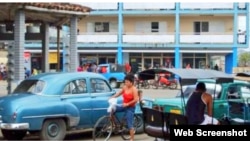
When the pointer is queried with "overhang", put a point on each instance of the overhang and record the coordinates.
(56, 14)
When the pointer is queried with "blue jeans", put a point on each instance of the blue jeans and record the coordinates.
(129, 115)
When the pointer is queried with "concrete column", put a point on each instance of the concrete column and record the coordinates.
(177, 36)
(74, 61)
(19, 40)
(66, 50)
(45, 47)
(120, 33)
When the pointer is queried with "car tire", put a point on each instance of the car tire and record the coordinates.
(13, 135)
(59, 129)
(140, 128)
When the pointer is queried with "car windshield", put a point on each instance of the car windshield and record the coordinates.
(189, 89)
(30, 86)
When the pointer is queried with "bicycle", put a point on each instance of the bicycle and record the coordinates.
(106, 125)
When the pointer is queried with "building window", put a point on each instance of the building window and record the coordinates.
(154, 26)
(101, 26)
(204, 27)
(201, 27)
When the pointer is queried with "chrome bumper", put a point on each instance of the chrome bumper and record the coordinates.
(15, 126)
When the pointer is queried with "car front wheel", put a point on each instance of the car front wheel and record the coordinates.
(53, 129)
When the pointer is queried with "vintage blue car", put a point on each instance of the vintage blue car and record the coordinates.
(51, 104)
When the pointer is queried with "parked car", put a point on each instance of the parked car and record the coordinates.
(114, 73)
(221, 93)
(51, 104)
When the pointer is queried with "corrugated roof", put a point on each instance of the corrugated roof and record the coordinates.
(56, 14)
(57, 6)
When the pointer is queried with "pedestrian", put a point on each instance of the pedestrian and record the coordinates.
(79, 69)
(27, 73)
(34, 71)
(188, 66)
(127, 68)
(216, 67)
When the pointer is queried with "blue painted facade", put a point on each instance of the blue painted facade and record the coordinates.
(230, 58)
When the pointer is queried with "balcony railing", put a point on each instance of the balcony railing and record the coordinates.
(97, 38)
(148, 38)
(185, 38)
(223, 38)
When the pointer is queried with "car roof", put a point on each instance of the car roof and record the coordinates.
(64, 75)
(55, 82)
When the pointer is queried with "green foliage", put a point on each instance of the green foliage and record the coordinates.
(244, 59)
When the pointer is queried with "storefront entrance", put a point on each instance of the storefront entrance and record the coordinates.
(153, 62)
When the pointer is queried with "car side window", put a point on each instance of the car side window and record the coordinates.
(69, 88)
(245, 90)
(81, 86)
(233, 92)
(76, 87)
(99, 86)
(36, 87)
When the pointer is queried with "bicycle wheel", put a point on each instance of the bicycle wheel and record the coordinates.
(124, 128)
(102, 129)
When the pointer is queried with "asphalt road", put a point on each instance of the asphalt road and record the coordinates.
(86, 135)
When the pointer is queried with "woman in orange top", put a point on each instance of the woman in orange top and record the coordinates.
(130, 97)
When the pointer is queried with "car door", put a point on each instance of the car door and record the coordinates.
(219, 103)
(235, 101)
(100, 93)
(77, 97)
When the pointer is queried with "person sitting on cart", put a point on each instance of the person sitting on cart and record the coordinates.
(196, 105)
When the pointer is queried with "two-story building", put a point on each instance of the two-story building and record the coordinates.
(169, 34)
(155, 34)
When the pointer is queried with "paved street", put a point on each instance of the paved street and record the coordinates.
(160, 93)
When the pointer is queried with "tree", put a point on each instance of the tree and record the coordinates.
(244, 58)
